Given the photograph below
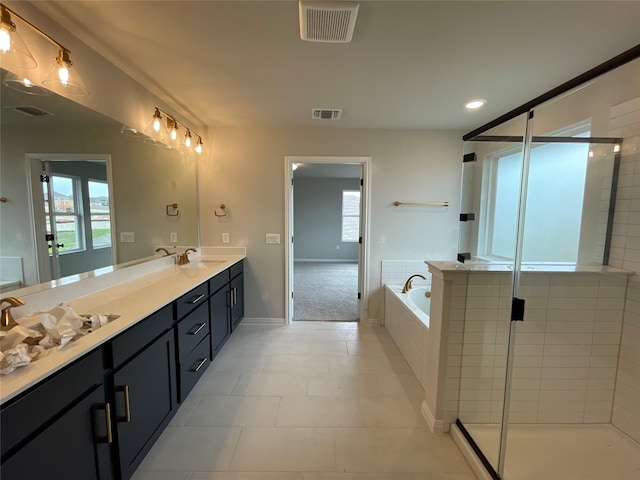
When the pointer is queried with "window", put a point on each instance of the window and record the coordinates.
(99, 212)
(67, 227)
(555, 194)
(350, 215)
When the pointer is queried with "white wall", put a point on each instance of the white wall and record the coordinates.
(246, 172)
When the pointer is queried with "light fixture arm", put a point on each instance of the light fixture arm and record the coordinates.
(6, 19)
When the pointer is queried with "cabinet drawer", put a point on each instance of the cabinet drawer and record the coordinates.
(192, 329)
(219, 281)
(236, 269)
(39, 405)
(191, 300)
(135, 338)
(193, 366)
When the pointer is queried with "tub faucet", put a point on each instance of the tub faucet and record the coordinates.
(407, 284)
(6, 319)
(183, 258)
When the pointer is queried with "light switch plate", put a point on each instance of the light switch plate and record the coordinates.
(225, 238)
(127, 237)
(273, 238)
(173, 237)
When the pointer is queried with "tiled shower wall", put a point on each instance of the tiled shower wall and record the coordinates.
(625, 253)
(566, 350)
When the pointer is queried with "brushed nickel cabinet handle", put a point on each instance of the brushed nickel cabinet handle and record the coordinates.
(202, 362)
(196, 299)
(197, 330)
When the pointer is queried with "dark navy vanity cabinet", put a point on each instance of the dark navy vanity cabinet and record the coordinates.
(97, 418)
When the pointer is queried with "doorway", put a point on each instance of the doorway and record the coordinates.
(72, 214)
(326, 246)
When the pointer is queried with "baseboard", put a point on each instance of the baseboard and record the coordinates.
(326, 260)
(469, 455)
(263, 321)
(370, 321)
(436, 426)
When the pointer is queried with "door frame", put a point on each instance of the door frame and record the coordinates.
(365, 202)
(36, 210)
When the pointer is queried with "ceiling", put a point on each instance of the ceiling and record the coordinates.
(410, 65)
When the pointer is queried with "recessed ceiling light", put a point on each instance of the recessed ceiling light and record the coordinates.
(475, 104)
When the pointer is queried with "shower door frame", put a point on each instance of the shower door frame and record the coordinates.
(528, 140)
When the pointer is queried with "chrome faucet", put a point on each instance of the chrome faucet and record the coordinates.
(183, 258)
(166, 252)
(407, 284)
(6, 319)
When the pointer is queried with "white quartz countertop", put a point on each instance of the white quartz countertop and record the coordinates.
(133, 300)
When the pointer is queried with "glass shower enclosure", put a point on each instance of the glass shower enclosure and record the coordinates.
(550, 234)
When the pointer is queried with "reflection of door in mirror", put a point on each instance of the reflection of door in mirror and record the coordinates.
(72, 214)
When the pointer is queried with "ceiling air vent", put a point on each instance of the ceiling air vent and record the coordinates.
(331, 22)
(30, 111)
(326, 114)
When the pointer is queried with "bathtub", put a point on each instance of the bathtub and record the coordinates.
(416, 301)
(407, 321)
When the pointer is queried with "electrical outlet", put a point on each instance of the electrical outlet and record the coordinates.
(272, 238)
(225, 238)
(127, 237)
(173, 237)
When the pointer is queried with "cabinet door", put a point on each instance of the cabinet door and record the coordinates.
(237, 300)
(145, 398)
(74, 447)
(219, 314)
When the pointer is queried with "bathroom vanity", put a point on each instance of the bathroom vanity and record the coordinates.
(94, 410)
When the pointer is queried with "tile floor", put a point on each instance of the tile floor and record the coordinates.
(570, 452)
(311, 401)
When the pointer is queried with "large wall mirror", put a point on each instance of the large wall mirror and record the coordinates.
(107, 195)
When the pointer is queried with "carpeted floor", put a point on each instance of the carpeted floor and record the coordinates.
(325, 291)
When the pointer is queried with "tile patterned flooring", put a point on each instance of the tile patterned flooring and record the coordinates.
(310, 401)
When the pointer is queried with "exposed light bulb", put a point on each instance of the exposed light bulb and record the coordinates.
(157, 118)
(63, 75)
(199, 146)
(5, 39)
(187, 139)
(174, 134)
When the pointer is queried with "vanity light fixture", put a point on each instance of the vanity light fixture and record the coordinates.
(475, 104)
(13, 51)
(163, 130)
(61, 77)
(156, 131)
